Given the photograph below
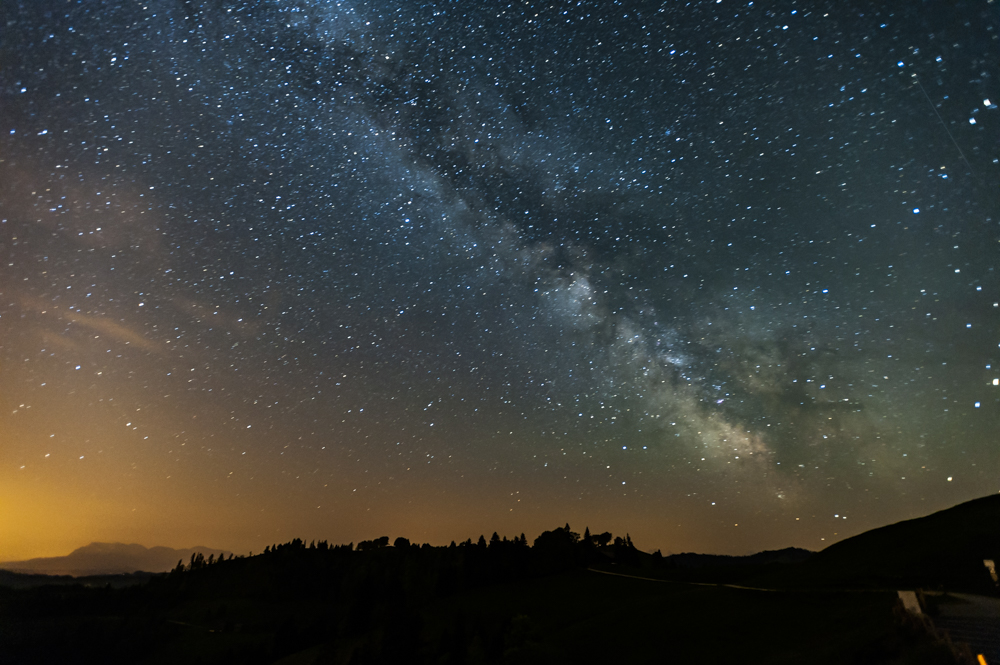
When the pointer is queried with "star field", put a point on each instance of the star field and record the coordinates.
(721, 275)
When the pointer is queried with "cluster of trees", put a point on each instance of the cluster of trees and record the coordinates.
(559, 537)
(372, 589)
(559, 548)
(198, 561)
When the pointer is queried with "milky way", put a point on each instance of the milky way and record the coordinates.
(721, 275)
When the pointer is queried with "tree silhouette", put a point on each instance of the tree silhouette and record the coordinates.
(378, 543)
(556, 550)
(575, 537)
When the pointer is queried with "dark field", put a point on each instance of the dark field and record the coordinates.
(566, 598)
(467, 604)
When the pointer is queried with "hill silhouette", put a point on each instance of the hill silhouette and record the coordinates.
(944, 550)
(107, 559)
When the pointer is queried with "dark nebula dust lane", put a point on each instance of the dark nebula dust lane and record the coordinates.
(721, 275)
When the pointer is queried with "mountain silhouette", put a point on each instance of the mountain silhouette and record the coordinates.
(109, 559)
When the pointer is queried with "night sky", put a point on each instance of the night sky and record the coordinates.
(718, 274)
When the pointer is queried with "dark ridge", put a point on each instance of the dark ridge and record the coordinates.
(691, 560)
(944, 550)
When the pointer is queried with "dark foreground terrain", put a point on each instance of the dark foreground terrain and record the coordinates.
(566, 598)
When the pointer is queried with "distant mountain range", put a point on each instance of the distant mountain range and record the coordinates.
(689, 560)
(109, 559)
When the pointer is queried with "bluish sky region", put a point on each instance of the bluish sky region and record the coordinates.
(721, 275)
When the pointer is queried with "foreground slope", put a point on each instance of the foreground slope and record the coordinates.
(944, 550)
